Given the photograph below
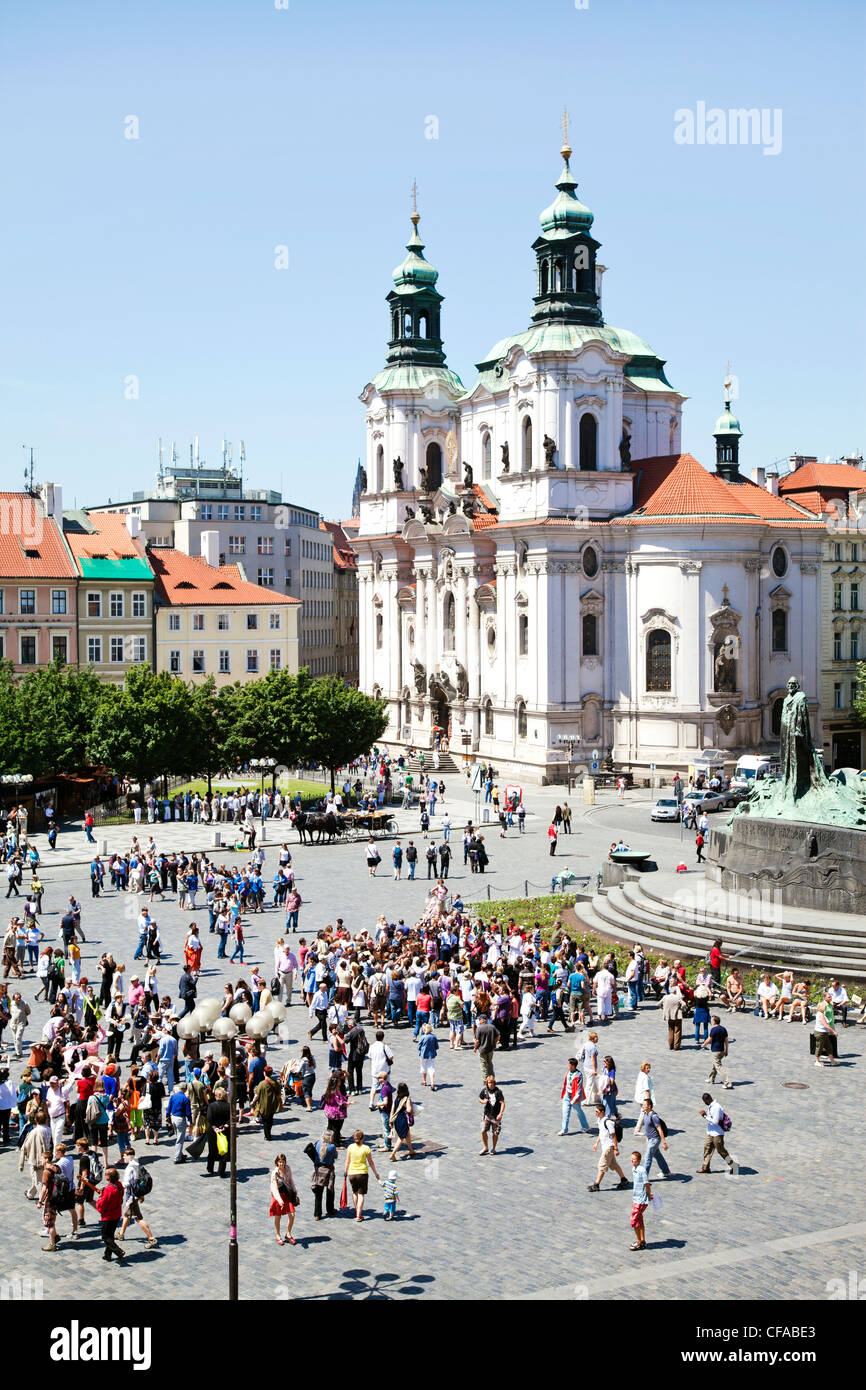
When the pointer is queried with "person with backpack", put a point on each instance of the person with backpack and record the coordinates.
(90, 1174)
(718, 1125)
(355, 1039)
(655, 1129)
(610, 1137)
(55, 1189)
(109, 1204)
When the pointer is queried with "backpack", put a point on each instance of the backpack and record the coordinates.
(617, 1129)
(726, 1122)
(96, 1171)
(663, 1127)
(275, 985)
(62, 1196)
(362, 1045)
(143, 1184)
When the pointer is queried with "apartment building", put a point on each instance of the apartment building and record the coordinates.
(345, 603)
(212, 621)
(115, 592)
(38, 579)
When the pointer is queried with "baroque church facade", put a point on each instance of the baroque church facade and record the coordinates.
(537, 560)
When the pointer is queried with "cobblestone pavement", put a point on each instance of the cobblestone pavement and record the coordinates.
(521, 1224)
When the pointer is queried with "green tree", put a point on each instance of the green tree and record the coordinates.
(57, 705)
(338, 722)
(264, 719)
(147, 727)
(859, 701)
(10, 721)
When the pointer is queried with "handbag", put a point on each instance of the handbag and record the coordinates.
(344, 1194)
(222, 1145)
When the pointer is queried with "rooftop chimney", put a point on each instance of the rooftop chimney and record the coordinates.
(772, 483)
(210, 548)
(759, 476)
(133, 524)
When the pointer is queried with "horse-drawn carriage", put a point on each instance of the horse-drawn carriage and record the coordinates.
(316, 826)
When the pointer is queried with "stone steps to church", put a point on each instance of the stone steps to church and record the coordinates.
(833, 930)
(613, 915)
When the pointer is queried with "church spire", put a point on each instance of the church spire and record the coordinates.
(728, 434)
(565, 252)
(415, 305)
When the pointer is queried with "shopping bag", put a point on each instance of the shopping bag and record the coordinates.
(222, 1144)
(344, 1195)
(656, 1204)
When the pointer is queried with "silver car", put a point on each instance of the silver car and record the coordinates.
(707, 801)
(666, 808)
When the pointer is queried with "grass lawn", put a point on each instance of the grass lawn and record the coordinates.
(290, 785)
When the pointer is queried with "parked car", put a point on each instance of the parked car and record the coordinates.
(666, 808)
(707, 801)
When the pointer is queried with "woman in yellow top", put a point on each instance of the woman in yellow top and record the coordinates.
(359, 1161)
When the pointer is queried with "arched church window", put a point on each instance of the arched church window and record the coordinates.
(521, 719)
(523, 635)
(379, 630)
(780, 630)
(544, 277)
(588, 443)
(448, 622)
(422, 325)
(527, 445)
(407, 324)
(380, 468)
(433, 459)
(558, 276)
(658, 660)
(486, 459)
(395, 324)
(590, 634)
(488, 717)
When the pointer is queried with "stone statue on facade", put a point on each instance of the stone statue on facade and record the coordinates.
(625, 448)
(427, 515)
(420, 677)
(410, 513)
(467, 475)
(549, 451)
(423, 479)
(398, 473)
(469, 505)
(462, 681)
(724, 669)
(506, 461)
(363, 479)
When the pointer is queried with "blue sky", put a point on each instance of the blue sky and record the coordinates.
(305, 127)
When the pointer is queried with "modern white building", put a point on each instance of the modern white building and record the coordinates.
(537, 559)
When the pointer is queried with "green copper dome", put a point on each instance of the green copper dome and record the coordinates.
(415, 272)
(566, 214)
(727, 423)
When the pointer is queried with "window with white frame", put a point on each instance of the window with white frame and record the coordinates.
(27, 601)
(252, 660)
(27, 650)
(206, 511)
(139, 605)
(198, 622)
(174, 622)
(276, 659)
(94, 605)
(240, 512)
(198, 663)
(274, 622)
(59, 647)
(174, 663)
(288, 547)
(58, 601)
(255, 513)
(225, 661)
(115, 649)
(94, 650)
(252, 622)
(237, 545)
(139, 649)
(266, 578)
(223, 511)
(223, 622)
(265, 545)
(115, 604)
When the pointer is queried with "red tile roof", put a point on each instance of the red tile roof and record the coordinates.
(681, 489)
(344, 556)
(188, 580)
(31, 543)
(110, 540)
(831, 475)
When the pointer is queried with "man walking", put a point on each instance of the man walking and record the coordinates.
(491, 1118)
(607, 1161)
(672, 1012)
(179, 1114)
(716, 1129)
(571, 1096)
(656, 1137)
(431, 860)
(485, 1044)
(398, 860)
(411, 857)
(444, 859)
(717, 1042)
(109, 1204)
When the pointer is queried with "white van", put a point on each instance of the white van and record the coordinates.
(752, 768)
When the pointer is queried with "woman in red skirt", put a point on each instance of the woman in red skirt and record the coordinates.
(284, 1199)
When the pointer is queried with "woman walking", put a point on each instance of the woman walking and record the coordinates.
(324, 1156)
(335, 1103)
(359, 1161)
(284, 1199)
(402, 1119)
(428, 1047)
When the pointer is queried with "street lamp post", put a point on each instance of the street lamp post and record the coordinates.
(569, 740)
(263, 765)
(206, 1022)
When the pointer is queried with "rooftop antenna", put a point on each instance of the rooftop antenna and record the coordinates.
(173, 454)
(197, 457)
(159, 454)
(28, 472)
(242, 458)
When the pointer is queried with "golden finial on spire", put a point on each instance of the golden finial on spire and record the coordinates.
(566, 148)
(415, 217)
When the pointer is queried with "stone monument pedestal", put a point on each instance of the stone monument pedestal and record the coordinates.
(801, 863)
